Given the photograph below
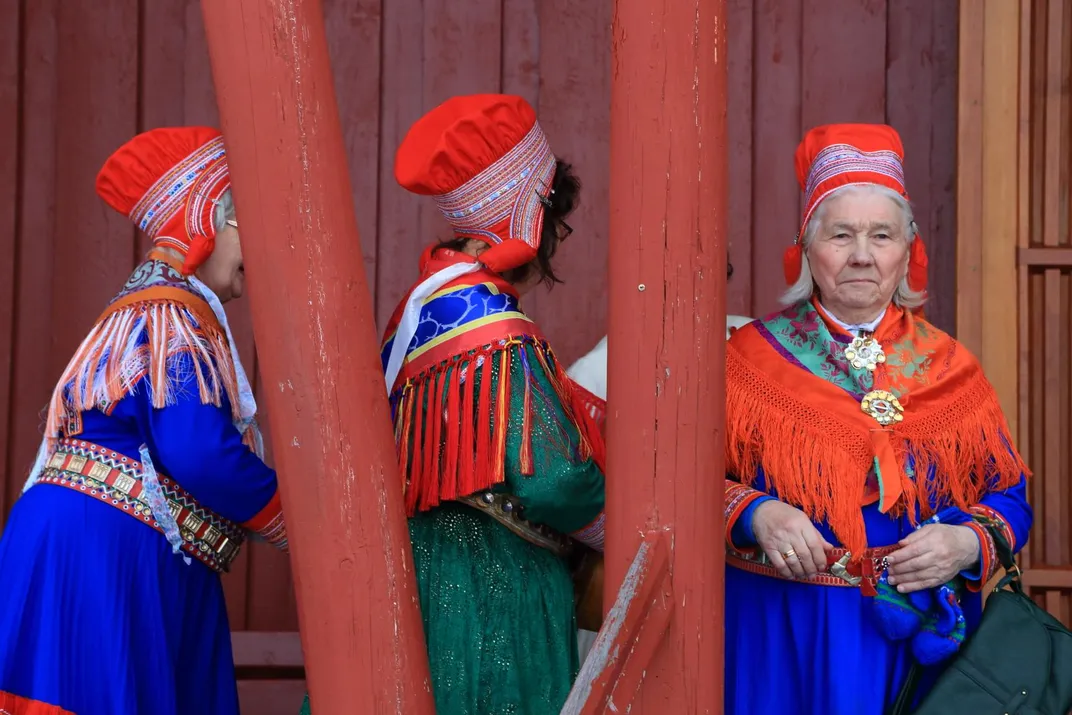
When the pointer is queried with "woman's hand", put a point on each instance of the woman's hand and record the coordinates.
(931, 556)
(792, 543)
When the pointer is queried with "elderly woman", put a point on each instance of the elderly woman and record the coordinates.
(501, 462)
(870, 466)
(149, 474)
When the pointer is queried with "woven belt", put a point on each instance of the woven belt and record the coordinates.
(841, 569)
(507, 510)
(117, 480)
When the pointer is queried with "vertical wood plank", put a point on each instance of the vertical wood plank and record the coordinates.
(1052, 72)
(1001, 73)
(575, 52)
(521, 50)
(98, 82)
(777, 106)
(740, 36)
(1026, 328)
(199, 95)
(353, 28)
(970, 179)
(462, 48)
(1033, 438)
(402, 101)
(1056, 310)
(942, 215)
(10, 154)
(161, 86)
(32, 368)
(921, 106)
(843, 80)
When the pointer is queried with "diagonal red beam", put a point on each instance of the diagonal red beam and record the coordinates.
(631, 634)
(317, 351)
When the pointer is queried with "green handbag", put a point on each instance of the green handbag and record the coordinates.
(1018, 661)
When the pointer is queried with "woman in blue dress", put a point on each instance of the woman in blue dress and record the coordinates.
(150, 474)
(870, 465)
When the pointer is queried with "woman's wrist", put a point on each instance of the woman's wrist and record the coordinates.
(970, 547)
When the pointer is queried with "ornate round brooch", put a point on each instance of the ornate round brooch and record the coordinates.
(864, 353)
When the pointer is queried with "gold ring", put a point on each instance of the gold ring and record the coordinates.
(790, 554)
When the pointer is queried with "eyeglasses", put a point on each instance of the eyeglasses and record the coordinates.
(566, 228)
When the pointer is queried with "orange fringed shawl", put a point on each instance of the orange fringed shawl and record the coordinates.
(793, 410)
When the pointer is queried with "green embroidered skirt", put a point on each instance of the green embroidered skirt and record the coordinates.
(498, 616)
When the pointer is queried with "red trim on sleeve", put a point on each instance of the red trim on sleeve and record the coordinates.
(269, 523)
(738, 497)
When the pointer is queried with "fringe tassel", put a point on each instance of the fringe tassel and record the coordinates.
(818, 463)
(427, 485)
(113, 358)
(467, 453)
(483, 425)
(974, 440)
(434, 449)
(527, 466)
(451, 436)
(502, 418)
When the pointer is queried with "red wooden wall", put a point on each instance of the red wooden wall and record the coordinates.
(77, 79)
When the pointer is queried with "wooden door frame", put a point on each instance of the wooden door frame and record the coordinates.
(991, 152)
(1010, 123)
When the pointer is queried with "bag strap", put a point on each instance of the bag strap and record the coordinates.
(1005, 557)
(903, 704)
(907, 694)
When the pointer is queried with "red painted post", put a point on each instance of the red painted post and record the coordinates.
(317, 352)
(667, 294)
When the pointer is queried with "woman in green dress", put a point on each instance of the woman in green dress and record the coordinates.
(502, 462)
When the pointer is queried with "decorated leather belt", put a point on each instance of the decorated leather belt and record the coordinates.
(841, 569)
(507, 510)
(117, 480)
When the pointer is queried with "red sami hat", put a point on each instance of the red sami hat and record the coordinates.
(487, 163)
(168, 182)
(836, 155)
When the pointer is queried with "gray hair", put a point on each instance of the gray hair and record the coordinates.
(225, 211)
(804, 288)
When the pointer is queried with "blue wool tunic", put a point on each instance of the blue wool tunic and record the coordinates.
(97, 614)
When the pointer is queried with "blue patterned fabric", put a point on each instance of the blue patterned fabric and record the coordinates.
(97, 614)
(456, 310)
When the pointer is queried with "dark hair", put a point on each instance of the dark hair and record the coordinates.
(560, 203)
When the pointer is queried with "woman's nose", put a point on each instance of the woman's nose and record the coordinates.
(861, 253)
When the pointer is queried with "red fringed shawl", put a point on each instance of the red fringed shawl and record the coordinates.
(793, 408)
(451, 436)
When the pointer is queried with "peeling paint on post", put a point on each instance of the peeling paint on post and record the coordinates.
(668, 183)
(316, 337)
(631, 633)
